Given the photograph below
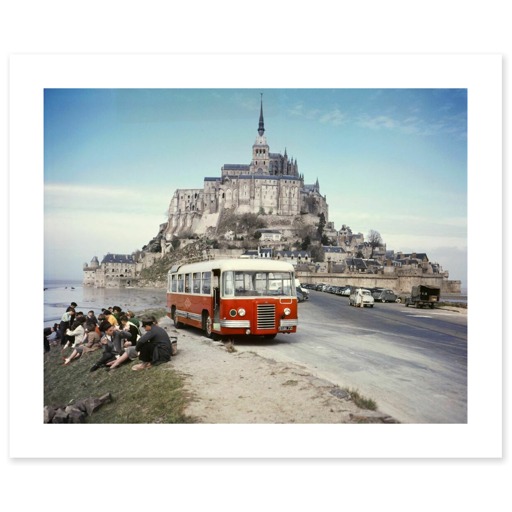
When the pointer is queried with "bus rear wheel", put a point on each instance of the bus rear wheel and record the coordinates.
(177, 323)
(207, 325)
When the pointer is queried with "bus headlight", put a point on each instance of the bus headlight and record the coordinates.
(241, 312)
(287, 311)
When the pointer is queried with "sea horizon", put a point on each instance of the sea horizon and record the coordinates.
(59, 293)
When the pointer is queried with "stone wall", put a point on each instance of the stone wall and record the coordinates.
(399, 284)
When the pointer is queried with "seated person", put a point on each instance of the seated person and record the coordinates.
(113, 345)
(152, 348)
(91, 342)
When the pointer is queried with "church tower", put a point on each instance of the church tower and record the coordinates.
(260, 150)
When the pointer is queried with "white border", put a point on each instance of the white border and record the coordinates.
(481, 74)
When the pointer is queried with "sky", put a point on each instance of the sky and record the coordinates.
(390, 160)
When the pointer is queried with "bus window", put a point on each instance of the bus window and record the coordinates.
(228, 285)
(196, 282)
(206, 283)
(174, 283)
(188, 283)
(260, 283)
(181, 280)
(280, 283)
(253, 284)
(244, 284)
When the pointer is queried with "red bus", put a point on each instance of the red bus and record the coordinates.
(234, 297)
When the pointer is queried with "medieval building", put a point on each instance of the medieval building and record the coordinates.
(114, 271)
(270, 184)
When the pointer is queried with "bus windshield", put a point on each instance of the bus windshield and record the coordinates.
(244, 283)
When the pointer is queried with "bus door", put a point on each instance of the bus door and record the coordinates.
(216, 298)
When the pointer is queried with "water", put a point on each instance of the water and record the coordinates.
(455, 297)
(59, 294)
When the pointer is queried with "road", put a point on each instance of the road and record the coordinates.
(412, 362)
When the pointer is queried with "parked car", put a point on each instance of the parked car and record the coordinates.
(361, 297)
(300, 295)
(346, 291)
(302, 289)
(385, 295)
(339, 290)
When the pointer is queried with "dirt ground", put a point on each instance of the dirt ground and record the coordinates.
(242, 387)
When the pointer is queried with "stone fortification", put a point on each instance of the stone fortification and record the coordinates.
(266, 198)
(270, 184)
(398, 283)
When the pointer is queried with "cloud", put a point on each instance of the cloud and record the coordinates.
(377, 122)
(82, 222)
(454, 125)
(334, 117)
(395, 224)
(108, 199)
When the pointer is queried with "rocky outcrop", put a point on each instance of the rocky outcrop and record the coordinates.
(74, 413)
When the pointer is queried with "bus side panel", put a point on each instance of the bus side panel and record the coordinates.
(189, 307)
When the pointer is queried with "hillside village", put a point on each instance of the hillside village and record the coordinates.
(345, 258)
(265, 209)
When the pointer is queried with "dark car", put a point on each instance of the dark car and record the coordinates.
(386, 296)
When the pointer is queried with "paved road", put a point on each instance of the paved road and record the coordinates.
(412, 362)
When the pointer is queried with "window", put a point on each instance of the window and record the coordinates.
(228, 285)
(196, 288)
(254, 284)
(188, 283)
(181, 281)
(206, 283)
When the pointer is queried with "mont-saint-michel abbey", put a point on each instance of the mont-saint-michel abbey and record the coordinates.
(218, 221)
(270, 183)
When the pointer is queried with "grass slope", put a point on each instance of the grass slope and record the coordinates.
(149, 396)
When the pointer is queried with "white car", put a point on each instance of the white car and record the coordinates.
(304, 291)
(361, 297)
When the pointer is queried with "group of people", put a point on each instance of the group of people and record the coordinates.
(122, 336)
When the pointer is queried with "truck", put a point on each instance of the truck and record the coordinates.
(361, 297)
(423, 295)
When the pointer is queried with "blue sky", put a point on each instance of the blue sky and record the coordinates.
(393, 160)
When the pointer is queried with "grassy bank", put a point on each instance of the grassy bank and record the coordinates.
(149, 396)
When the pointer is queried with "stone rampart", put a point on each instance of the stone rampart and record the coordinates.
(399, 284)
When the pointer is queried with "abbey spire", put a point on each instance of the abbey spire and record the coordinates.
(260, 150)
(261, 126)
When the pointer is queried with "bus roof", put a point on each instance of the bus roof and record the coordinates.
(257, 264)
